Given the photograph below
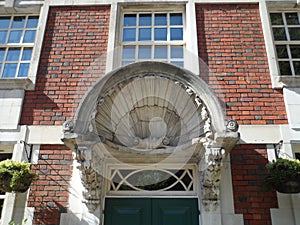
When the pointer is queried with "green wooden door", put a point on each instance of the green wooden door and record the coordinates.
(151, 211)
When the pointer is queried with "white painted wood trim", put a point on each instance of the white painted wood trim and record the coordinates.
(111, 48)
(191, 58)
(32, 74)
(270, 49)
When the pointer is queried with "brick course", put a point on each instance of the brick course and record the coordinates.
(231, 45)
(72, 59)
(50, 193)
(248, 172)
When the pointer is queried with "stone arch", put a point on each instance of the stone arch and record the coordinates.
(195, 83)
(101, 129)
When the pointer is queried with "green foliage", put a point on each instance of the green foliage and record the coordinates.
(18, 174)
(281, 171)
(13, 223)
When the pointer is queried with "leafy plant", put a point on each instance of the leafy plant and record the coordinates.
(15, 176)
(281, 172)
(13, 223)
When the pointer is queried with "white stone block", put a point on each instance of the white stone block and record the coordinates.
(292, 101)
(282, 216)
(10, 108)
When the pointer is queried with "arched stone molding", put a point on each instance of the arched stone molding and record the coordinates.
(98, 132)
(111, 80)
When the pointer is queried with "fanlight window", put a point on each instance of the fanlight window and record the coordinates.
(152, 180)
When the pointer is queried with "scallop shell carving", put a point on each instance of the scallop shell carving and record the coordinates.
(151, 112)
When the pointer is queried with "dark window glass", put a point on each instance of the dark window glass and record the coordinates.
(9, 70)
(285, 68)
(178, 63)
(160, 19)
(279, 34)
(13, 54)
(2, 52)
(144, 52)
(294, 34)
(15, 36)
(5, 156)
(295, 51)
(29, 36)
(296, 67)
(124, 63)
(160, 34)
(4, 22)
(176, 19)
(292, 18)
(176, 34)
(3, 37)
(161, 52)
(18, 22)
(129, 20)
(129, 34)
(32, 22)
(26, 54)
(176, 52)
(276, 18)
(145, 20)
(23, 70)
(281, 51)
(145, 34)
(128, 52)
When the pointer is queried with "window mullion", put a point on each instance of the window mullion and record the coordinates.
(169, 53)
(290, 59)
(19, 62)
(4, 61)
(286, 28)
(136, 52)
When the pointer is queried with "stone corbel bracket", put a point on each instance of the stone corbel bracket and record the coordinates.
(91, 177)
(90, 163)
(211, 164)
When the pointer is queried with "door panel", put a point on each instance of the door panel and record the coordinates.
(155, 211)
(174, 212)
(127, 211)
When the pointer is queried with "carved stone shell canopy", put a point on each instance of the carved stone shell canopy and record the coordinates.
(150, 105)
(151, 111)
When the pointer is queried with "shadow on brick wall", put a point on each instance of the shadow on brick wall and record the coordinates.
(248, 173)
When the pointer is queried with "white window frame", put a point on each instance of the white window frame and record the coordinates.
(288, 42)
(8, 46)
(278, 81)
(295, 147)
(39, 9)
(146, 9)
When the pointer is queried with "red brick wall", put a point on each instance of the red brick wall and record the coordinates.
(248, 171)
(49, 194)
(72, 59)
(231, 43)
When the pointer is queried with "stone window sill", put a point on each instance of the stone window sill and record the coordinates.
(13, 83)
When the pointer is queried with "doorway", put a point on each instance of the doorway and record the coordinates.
(151, 211)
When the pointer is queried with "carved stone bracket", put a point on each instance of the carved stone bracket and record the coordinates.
(211, 165)
(91, 178)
